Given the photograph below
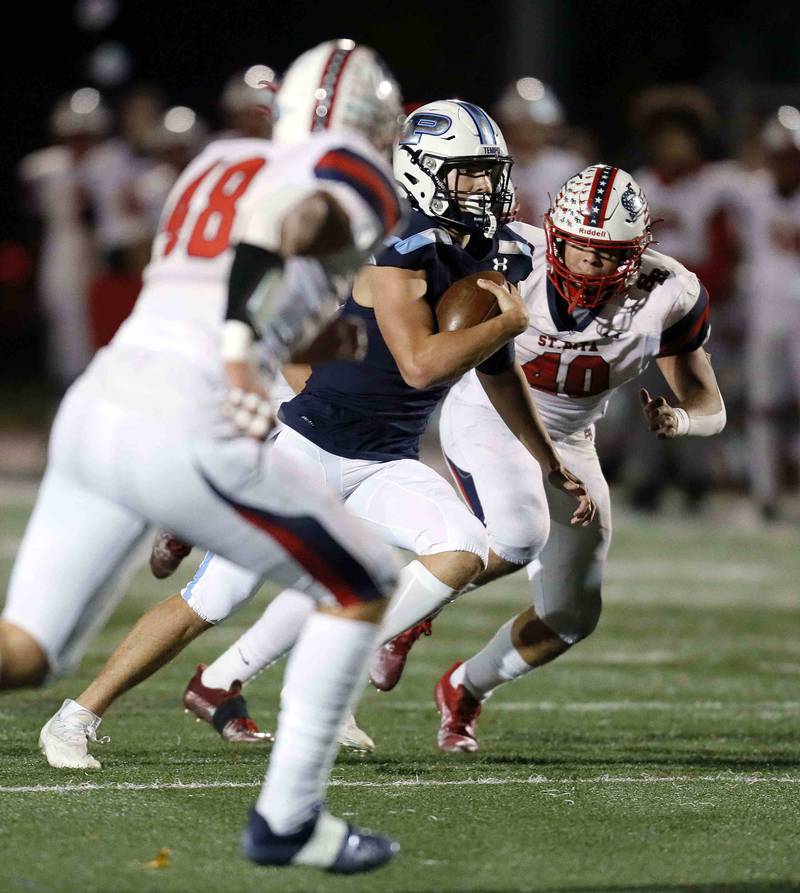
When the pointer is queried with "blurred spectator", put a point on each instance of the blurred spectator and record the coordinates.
(691, 203)
(689, 195)
(179, 136)
(773, 318)
(532, 119)
(54, 182)
(113, 168)
(124, 224)
(248, 103)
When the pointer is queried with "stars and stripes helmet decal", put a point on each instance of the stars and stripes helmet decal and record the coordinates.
(601, 208)
(339, 85)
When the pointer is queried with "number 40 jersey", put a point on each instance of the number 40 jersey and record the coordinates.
(574, 362)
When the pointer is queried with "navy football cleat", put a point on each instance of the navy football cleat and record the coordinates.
(324, 842)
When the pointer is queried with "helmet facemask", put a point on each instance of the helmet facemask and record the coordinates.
(464, 209)
(582, 290)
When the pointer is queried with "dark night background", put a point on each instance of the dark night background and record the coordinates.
(596, 55)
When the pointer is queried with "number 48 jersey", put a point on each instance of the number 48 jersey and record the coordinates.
(573, 363)
(241, 190)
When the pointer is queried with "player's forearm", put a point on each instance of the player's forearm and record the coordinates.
(510, 395)
(701, 413)
(284, 303)
(296, 375)
(445, 356)
(700, 409)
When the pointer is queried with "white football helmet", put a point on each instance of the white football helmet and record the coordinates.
(601, 207)
(80, 113)
(254, 88)
(448, 135)
(529, 99)
(179, 126)
(781, 132)
(339, 85)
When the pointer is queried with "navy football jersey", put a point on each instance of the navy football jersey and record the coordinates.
(366, 410)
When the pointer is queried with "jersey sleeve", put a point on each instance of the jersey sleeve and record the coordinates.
(413, 248)
(361, 177)
(687, 326)
(357, 179)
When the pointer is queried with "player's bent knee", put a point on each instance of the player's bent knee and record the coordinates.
(514, 556)
(219, 588)
(576, 620)
(471, 563)
(23, 661)
(366, 612)
(470, 542)
(456, 569)
(523, 544)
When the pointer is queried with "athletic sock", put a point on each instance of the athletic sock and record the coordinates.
(70, 708)
(498, 662)
(325, 674)
(266, 641)
(419, 594)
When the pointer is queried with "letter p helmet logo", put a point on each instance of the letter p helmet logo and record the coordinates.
(425, 124)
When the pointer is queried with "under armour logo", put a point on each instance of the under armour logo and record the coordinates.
(500, 264)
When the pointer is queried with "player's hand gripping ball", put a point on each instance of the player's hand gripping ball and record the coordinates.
(465, 304)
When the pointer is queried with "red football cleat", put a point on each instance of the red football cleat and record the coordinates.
(459, 709)
(223, 708)
(390, 659)
(167, 554)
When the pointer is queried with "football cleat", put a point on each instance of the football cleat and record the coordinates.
(63, 739)
(389, 660)
(166, 554)
(459, 709)
(324, 841)
(223, 708)
(353, 738)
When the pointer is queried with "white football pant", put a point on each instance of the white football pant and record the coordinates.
(403, 502)
(526, 519)
(114, 469)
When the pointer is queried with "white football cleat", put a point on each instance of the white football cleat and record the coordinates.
(63, 739)
(353, 738)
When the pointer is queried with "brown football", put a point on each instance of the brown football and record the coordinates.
(465, 303)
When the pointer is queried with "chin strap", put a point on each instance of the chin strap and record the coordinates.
(477, 206)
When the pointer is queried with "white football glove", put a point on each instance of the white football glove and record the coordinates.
(250, 413)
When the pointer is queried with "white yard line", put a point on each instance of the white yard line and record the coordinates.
(692, 571)
(718, 778)
(619, 706)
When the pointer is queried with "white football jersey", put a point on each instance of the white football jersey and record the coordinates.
(235, 190)
(111, 172)
(772, 249)
(683, 209)
(573, 364)
(52, 179)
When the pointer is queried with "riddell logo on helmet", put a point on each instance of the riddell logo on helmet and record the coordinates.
(591, 231)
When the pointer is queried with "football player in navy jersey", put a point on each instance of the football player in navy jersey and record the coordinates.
(356, 425)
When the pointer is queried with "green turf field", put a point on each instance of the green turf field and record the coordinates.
(662, 755)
